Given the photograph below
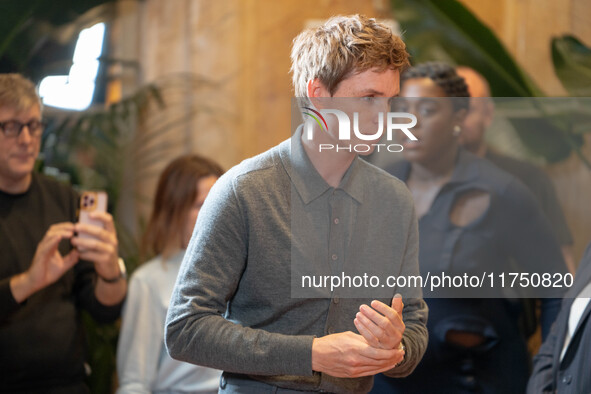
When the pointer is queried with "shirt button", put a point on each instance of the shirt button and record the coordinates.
(336, 221)
(566, 379)
(336, 300)
(334, 257)
(330, 330)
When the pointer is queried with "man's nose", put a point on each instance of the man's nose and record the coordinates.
(25, 137)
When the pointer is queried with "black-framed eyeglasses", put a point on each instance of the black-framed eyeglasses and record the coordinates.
(13, 128)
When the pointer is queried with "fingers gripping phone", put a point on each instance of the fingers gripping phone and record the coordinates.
(92, 201)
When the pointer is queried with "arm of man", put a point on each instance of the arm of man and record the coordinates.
(48, 264)
(196, 330)
(210, 273)
(350, 355)
(402, 323)
(541, 379)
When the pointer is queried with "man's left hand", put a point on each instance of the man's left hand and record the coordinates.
(381, 325)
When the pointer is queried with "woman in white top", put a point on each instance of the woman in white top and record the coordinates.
(143, 364)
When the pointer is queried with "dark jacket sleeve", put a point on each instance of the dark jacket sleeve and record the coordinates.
(541, 380)
(7, 302)
(85, 282)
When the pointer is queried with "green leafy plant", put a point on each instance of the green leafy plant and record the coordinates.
(446, 30)
(572, 64)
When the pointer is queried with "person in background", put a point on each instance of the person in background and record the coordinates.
(50, 266)
(563, 363)
(473, 218)
(478, 120)
(143, 364)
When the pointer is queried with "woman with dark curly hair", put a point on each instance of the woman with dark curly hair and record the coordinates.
(473, 218)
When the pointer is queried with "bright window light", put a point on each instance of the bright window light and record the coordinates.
(75, 90)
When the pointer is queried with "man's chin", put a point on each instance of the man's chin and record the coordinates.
(21, 171)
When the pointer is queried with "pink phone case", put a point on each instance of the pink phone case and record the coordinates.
(92, 201)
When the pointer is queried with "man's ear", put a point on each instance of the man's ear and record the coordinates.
(316, 90)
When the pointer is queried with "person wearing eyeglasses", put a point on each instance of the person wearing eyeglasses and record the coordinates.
(48, 270)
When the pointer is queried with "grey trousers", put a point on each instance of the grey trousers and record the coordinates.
(231, 383)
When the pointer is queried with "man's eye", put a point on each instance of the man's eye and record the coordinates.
(12, 126)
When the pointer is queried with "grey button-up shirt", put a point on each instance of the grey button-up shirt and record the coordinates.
(235, 307)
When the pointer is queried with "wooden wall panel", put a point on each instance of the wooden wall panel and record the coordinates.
(242, 47)
(269, 29)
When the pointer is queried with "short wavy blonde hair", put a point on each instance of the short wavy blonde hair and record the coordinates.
(342, 46)
(18, 93)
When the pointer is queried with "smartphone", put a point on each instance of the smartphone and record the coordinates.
(92, 201)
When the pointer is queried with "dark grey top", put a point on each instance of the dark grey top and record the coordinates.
(511, 236)
(233, 307)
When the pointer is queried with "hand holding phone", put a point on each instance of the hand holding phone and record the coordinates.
(92, 201)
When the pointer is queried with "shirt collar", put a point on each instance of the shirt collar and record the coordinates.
(305, 178)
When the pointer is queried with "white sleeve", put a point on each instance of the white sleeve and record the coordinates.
(141, 339)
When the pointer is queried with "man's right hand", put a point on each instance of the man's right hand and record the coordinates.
(48, 264)
(349, 355)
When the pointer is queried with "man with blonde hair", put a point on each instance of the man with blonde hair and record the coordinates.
(50, 266)
(232, 308)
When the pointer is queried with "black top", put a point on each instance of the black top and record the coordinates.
(568, 374)
(542, 188)
(41, 340)
(512, 235)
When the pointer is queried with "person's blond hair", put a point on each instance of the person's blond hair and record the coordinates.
(342, 46)
(18, 93)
